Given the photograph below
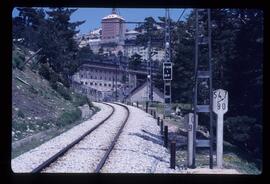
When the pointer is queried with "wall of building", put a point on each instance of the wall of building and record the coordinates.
(103, 80)
(142, 95)
(112, 32)
(91, 93)
(133, 49)
(95, 45)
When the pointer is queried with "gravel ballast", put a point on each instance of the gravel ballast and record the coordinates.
(139, 148)
(85, 156)
(30, 160)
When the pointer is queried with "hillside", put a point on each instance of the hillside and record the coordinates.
(39, 112)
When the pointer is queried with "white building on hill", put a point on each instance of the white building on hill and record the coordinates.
(113, 37)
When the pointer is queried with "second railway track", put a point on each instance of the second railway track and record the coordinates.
(89, 152)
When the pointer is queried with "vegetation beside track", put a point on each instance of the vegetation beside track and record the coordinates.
(39, 105)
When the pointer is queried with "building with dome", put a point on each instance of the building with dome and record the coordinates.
(113, 37)
(113, 28)
(111, 77)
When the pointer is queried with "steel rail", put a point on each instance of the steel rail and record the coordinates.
(106, 155)
(64, 150)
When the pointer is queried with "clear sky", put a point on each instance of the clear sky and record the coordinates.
(93, 16)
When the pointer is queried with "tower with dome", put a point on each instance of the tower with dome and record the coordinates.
(113, 28)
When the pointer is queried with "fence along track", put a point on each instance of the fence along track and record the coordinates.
(106, 155)
(64, 150)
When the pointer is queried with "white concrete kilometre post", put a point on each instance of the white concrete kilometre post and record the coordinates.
(190, 129)
(190, 138)
(220, 107)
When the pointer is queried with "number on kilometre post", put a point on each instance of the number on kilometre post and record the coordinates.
(220, 101)
(220, 107)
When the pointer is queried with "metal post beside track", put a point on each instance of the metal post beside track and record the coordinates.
(172, 160)
(161, 127)
(166, 136)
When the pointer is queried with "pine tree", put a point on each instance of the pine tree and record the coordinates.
(62, 37)
(54, 34)
(182, 56)
(28, 25)
(135, 61)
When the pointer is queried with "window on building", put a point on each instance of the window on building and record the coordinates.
(109, 85)
(100, 77)
(91, 83)
(105, 84)
(100, 84)
(91, 77)
(81, 76)
(95, 83)
(85, 83)
(81, 82)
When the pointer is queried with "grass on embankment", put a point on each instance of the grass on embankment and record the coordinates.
(38, 107)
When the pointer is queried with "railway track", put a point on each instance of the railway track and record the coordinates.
(45, 165)
(106, 155)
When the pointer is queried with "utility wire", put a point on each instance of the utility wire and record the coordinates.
(181, 15)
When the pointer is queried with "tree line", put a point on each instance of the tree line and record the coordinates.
(237, 62)
(52, 31)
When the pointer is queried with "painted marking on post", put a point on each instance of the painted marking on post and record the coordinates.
(167, 71)
(190, 139)
(190, 121)
(220, 101)
(220, 107)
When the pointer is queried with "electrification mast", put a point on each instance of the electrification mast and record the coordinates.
(203, 92)
(149, 70)
(167, 65)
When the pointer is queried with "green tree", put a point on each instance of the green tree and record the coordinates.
(58, 41)
(149, 29)
(245, 82)
(135, 61)
(53, 33)
(84, 55)
(27, 26)
(183, 59)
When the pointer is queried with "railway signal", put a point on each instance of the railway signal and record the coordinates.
(167, 71)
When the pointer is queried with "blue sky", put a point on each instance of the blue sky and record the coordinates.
(93, 16)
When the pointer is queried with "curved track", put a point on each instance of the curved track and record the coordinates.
(101, 163)
(106, 155)
(64, 150)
